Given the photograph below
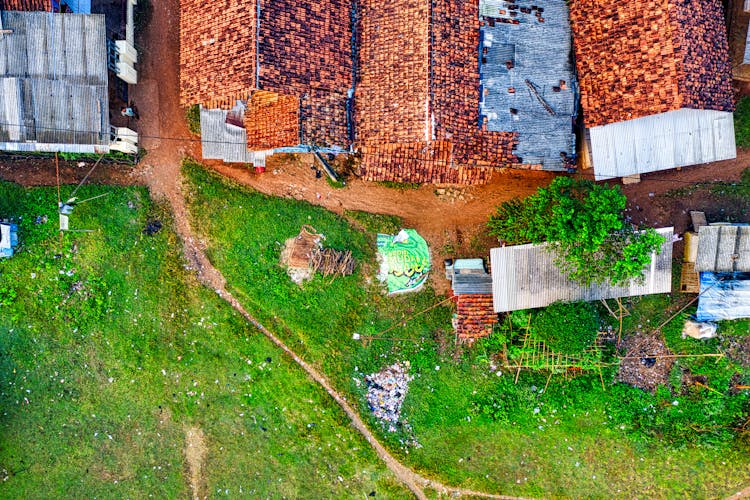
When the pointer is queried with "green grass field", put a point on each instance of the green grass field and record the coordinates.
(110, 351)
(475, 426)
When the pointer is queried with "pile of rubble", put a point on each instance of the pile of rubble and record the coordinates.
(386, 391)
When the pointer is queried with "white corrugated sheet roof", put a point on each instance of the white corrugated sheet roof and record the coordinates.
(526, 277)
(53, 80)
(723, 249)
(661, 142)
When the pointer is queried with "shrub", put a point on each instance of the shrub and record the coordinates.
(567, 328)
(742, 122)
(585, 226)
(193, 117)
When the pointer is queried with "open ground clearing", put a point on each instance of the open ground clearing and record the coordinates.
(114, 360)
(475, 428)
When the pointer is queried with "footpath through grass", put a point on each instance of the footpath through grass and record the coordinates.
(474, 426)
(110, 351)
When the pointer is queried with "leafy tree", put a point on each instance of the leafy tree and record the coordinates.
(584, 225)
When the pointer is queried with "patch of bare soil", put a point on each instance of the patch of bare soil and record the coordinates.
(643, 367)
(41, 172)
(195, 456)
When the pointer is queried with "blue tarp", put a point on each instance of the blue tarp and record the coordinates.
(724, 296)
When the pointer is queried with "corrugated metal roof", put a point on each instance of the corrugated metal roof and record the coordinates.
(525, 277)
(540, 53)
(472, 284)
(53, 80)
(227, 142)
(660, 142)
(723, 249)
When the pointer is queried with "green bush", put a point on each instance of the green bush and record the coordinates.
(193, 118)
(567, 328)
(584, 224)
(742, 122)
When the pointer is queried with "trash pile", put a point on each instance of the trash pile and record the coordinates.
(386, 391)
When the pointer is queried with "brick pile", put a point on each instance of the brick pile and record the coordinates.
(305, 44)
(705, 55)
(475, 316)
(418, 162)
(392, 90)
(305, 49)
(455, 87)
(420, 77)
(272, 121)
(324, 118)
(217, 49)
(26, 5)
(646, 57)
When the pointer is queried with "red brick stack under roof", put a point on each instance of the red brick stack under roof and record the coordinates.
(26, 5)
(645, 57)
(217, 51)
(271, 121)
(305, 50)
(475, 316)
(417, 108)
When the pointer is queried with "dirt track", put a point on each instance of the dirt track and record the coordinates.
(456, 216)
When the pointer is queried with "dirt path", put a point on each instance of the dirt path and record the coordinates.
(195, 456)
(161, 172)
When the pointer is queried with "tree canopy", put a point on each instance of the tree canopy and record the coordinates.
(584, 223)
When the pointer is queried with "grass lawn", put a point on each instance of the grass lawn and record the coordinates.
(110, 351)
(475, 426)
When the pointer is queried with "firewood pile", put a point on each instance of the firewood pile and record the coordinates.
(304, 255)
(475, 317)
(328, 262)
(650, 58)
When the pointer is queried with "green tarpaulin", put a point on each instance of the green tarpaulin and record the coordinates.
(404, 260)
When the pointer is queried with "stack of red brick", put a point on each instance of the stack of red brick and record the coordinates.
(645, 57)
(217, 50)
(305, 49)
(272, 121)
(475, 316)
(299, 49)
(26, 5)
(418, 95)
